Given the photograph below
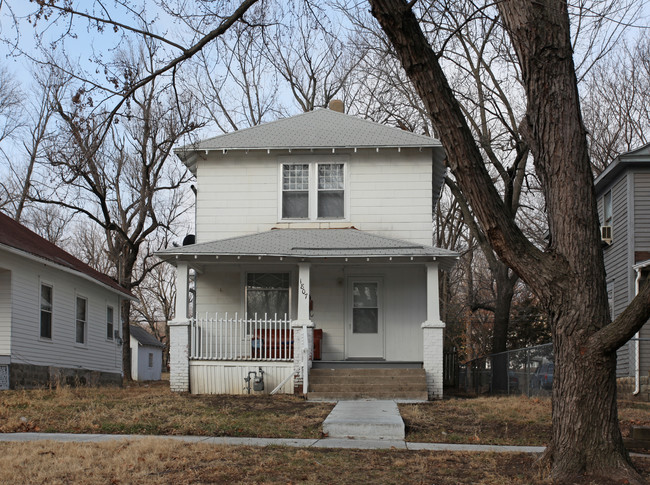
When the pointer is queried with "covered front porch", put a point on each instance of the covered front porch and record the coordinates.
(286, 313)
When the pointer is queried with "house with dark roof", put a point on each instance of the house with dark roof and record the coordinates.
(312, 269)
(59, 318)
(146, 355)
(623, 195)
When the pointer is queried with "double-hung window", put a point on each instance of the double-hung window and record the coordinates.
(109, 322)
(81, 320)
(295, 191)
(313, 191)
(46, 311)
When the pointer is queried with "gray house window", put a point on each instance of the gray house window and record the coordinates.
(46, 311)
(109, 322)
(80, 322)
(607, 209)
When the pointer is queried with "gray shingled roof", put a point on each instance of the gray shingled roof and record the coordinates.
(318, 129)
(639, 157)
(303, 243)
(144, 338)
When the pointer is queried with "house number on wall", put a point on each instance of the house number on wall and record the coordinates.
(302, 289)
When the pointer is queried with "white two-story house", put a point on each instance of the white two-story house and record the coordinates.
(313, 250)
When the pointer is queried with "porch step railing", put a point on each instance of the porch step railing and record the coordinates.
(222, 337)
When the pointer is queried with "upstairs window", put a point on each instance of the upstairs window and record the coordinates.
(331, 191)
(607, 209)
(295, 191)
(313, 191)
(46, 311)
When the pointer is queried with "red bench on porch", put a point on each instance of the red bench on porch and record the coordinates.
(278, 344)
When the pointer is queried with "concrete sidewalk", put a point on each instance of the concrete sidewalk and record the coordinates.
(360, 444)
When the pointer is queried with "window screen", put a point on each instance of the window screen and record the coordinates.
(331, 194)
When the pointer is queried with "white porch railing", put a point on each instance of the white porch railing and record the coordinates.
(223, 337)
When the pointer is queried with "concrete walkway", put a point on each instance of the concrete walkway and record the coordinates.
(371, 419)
(360, 444)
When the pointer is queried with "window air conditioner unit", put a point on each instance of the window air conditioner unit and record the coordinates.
(606, 235)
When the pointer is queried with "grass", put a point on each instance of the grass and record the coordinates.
(154, 409)
(516, 420)
(154, 461)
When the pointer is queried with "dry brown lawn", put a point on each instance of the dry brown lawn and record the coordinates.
(516, 420)
(154, 409)
(158, 461)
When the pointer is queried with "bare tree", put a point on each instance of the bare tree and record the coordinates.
(235, 83)
(11, 105)
(568, 276)
(128, 187)
(617, 104)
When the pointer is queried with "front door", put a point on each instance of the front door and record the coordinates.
(364, 319)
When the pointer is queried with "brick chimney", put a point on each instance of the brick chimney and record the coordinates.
(337, 105)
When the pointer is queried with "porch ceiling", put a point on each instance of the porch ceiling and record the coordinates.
(312, 244)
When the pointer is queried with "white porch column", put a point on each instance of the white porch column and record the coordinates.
(179, 336)
(303, 328)
(432, 331)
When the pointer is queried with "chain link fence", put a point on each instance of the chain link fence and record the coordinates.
(526, 371)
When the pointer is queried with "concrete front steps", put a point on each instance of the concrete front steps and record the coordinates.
(380, 383)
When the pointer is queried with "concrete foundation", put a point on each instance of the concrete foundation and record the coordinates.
(28, 376)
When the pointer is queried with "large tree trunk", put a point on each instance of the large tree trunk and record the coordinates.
(505, 289)
(569, 277)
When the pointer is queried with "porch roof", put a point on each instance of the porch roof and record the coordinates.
(312, 244)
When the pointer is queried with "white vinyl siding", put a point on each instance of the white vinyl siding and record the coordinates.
(5, 311)
(60, 351)
(388, 193)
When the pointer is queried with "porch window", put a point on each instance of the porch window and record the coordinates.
(267, 293)
(46, 311)
(365, 310)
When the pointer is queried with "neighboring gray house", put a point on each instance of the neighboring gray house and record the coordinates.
(623, 194)
(146, 355)
(59, 318)
(312, 228)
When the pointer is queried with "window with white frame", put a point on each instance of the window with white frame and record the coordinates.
(607, 209)
(46, 311)
(267, 295)
(109, 322)
(313, 190)
(81, 320)
(150, 359)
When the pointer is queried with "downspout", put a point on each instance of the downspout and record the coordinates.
(637, 347)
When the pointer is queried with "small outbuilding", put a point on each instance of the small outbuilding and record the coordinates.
(146, 355)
